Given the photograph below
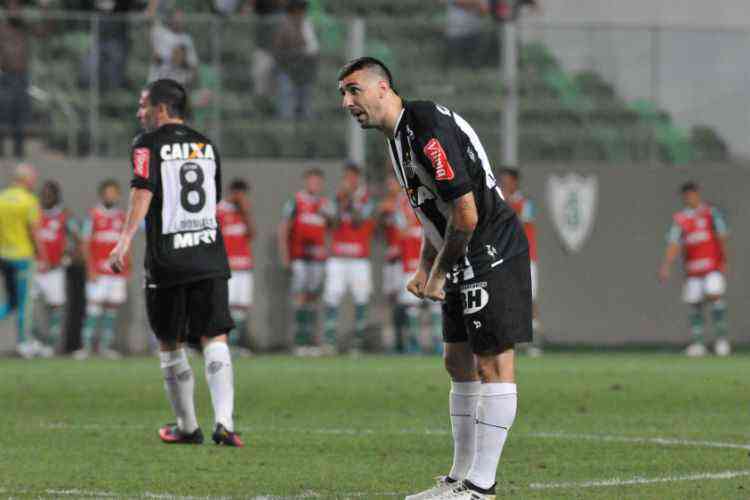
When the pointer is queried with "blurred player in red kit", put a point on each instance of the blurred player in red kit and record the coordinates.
(700, 231)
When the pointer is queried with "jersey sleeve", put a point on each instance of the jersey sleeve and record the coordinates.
(674, 234)
(289, 208)
(720, 222)
(444, 153)
(143, 161)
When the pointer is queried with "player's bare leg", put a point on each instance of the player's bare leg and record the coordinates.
(179, 384)
(220, 379)
(464, 396)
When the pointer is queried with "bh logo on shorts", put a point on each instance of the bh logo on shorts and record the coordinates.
(475, 297)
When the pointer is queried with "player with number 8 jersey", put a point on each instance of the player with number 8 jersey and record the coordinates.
(175, 187)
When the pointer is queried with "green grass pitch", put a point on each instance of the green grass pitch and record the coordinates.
(589, 426)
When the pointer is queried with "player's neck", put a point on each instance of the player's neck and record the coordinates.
(170, 121)
(392, 115)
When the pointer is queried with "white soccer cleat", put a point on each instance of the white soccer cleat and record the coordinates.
(722, 347)
(110, 354)
(81, 354)
(45, 351)
(27, 349)
(442, 486)
(696, 350)
(464, 491)
(533, 351)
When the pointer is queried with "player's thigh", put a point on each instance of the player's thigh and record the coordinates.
(315, 277)
(693, 290)
(715, 284)
(166, 309)
(392, 278)
(335, 281)
(360, 280)
(497, 307)
(208, 309)
(240, 289)
(95, 290)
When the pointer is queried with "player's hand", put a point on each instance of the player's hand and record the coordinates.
(116, 259)
(663, 274)
(416, 284)
(434, 289)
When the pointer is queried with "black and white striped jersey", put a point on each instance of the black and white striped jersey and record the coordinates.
(438, 158)
(182, 169)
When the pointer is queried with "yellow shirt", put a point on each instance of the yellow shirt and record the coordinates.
(19, 208)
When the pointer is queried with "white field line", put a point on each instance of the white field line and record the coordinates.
(656, 440)
(78, 493)
(727, 474)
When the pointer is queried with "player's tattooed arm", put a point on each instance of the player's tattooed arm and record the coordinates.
(461, 225)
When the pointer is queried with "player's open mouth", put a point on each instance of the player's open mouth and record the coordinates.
(359, 115)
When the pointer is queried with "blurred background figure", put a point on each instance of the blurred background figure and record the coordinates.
(173, 51)
(268, 15)
(15, 59)
(235, 218)
(392, 272)
(297, 54)
(19, 232)
(466, 45)
(700, 232)
(510, 181)
(60, 236)
(106, 291)
(348, 269)
(302, 242)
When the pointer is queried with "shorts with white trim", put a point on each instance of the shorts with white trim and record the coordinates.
(307, 276)
(50, 286)
(241, 288)
(492, 311)
(107, 289)
(696, 288)
(346, 274)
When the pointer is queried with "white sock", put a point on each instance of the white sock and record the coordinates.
(463, 407)
(495, 414)
(179, 384)
(220, 382)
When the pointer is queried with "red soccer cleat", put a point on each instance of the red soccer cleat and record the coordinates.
(227, 438)
(171, 434)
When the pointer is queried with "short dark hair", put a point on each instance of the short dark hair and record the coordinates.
(314, 171)
(171, 94)
(689, 186)
(351, 166)
(106, 183)
(511, 172)
(238, 184)
(53, 186)
(367, 63)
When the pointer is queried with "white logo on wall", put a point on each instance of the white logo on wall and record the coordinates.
(572, 200)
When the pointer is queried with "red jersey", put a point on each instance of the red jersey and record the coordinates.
(353, 240)
(53, 235)
(392, 233)
(235, 233)
(102, 232)
(411, 235)
(524, 208)
(698, 230)
(307, 226)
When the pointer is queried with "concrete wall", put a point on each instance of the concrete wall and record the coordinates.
(606, 294)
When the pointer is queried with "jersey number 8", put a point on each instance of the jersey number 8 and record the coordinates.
(192, 194)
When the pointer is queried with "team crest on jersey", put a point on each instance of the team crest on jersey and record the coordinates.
(572, 200)
(141, 160)
(436, 154)
(475, 297)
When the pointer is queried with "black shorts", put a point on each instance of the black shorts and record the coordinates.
(185, 313)
(493, 311)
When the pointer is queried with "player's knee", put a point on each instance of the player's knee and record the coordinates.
(458, 367)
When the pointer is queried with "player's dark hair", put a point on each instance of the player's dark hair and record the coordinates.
(239, 185)
(511, 172)
(54, 187)
(350, 166)
(106, 183)
(169, 93)
(367, 63)
(314, 171)
(689, 186)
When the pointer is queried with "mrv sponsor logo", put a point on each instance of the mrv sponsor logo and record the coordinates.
(187, 240)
